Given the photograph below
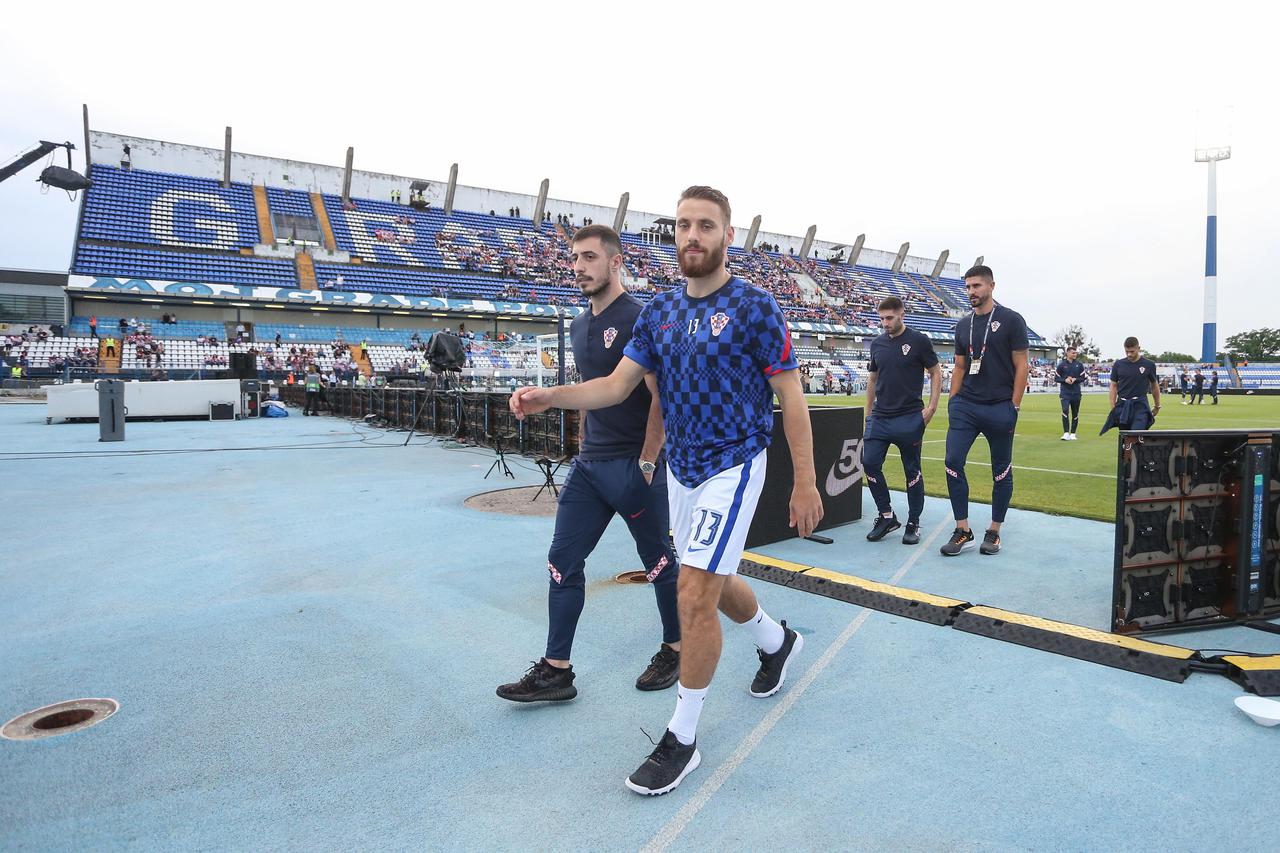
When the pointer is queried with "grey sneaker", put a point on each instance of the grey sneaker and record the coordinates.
(990, 543)
(961, 540)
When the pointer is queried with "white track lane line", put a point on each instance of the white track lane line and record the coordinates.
(1018, 467)
(672, 829)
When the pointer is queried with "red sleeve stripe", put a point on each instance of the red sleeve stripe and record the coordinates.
(786, 354)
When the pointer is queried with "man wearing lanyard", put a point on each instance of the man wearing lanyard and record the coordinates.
(1070, 377)
(987, 385)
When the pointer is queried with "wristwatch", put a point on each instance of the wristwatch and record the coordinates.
(647, 467)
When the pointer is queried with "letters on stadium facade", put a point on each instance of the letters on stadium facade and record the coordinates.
(79, 284)
(360, 299)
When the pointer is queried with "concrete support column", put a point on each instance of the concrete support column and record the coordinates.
(752, 233)
(346, 176)
(941, 264)
(451, 190)
(856, 251)
(620, 218)
(902, 256)
(226, 161)
(540, 208)
(88, 154)
(807, 245)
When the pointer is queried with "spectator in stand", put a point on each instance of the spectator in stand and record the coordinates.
(93, 326)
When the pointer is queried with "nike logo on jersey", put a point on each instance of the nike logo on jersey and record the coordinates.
(666, 326)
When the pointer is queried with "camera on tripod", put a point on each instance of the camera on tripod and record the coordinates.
(445, 354)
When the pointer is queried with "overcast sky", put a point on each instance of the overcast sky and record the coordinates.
(1059, 144)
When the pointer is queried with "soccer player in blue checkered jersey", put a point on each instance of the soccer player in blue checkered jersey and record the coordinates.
(720, 349)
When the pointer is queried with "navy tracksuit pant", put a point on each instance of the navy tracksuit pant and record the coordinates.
(1071, 407)
(905, 432)
(995, 421)
(592, 493)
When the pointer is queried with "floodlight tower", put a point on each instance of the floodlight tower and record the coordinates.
(1209, 341)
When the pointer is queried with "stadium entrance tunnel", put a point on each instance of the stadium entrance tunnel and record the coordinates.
(1259, 674)
(59, 719)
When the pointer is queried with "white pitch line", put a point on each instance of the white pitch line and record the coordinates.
(672, 829)
(1029, 468)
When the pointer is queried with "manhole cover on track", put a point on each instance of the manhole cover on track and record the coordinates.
(59, 719)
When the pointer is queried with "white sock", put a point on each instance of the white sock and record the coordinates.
(684, 722)
(765, 633)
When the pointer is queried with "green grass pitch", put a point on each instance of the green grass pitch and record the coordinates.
(1063, 477)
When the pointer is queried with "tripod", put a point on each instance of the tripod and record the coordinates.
(499, 458)
(443, 381)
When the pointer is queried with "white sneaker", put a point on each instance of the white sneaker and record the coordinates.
(1066, 436)
(1074, 437)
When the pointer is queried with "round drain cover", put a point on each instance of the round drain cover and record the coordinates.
(59, 719)
(631, 577)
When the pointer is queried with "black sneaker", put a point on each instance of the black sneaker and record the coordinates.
(883, 527)
(990, 543)
(911, 536)
(773, 668)
(663, 670)
(961, 540)
(542, 683)
(666, 767)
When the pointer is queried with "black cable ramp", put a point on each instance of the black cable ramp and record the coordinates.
(934, 609)
(1257, 674)
(1159, 660)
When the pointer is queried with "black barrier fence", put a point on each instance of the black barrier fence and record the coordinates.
(474, 417)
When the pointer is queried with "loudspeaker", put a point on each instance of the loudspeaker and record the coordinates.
(244, 365)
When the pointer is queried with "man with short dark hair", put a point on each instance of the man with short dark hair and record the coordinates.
(1213, 385)
(1131, 378)
(987, 384)
(616, 472)
(896, 415)
(1185, 381)
(1197, 392)
(720, 349)
(1069, 376)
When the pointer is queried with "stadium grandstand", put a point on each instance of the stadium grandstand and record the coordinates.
(179, 246)
(187, 244)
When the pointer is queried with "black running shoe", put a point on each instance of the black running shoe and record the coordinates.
(961, 540)
(542, 683)
(883, 527)
(666, 767)
(911, 535)
(990, 543)
(663, 671)
(773, 668)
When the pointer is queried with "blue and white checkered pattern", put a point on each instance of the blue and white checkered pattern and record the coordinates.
(713, 358)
